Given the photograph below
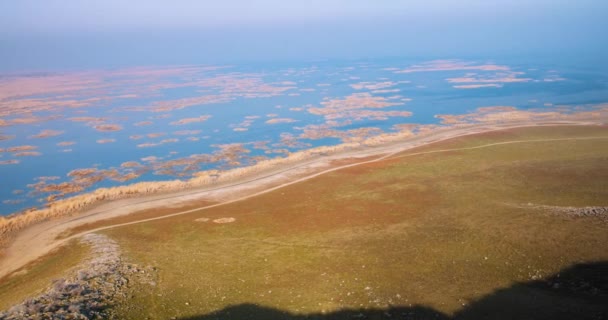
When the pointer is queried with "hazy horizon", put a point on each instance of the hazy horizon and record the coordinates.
(70, 35)
(321, 159)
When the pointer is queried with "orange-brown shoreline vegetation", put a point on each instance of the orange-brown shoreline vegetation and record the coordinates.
(177, 104)
(260, 145)
(231, 154)
(156, 134)
(500, 114)
(26, 119)
(187, 132)
(81, 179)
(356, 115)
(9, 162)
(378, 87)
(65, 84)
(315, 132)
(143, 123)
(56, 207)
(184, 121)
(373, 85)
(71, 90)
(150, 159)
(6, 137)
(65, 143)
(280, 120)
(130, 164)
(235, 154)
(89, 120)
(27, 154)
(288, 140)
(47, 134)
(13, 201)
(354, 107)
(231, 86)
(493, 75)
(245, 124)
(494, 79)
(450, 65)
(72, 205)
(156, 144)
(170, 140)
(477, 86)
(107, 127)
(19, 148)
(248, 85)
(105, 141)
(19, 94)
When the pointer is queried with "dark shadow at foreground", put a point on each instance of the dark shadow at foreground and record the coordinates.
(578, 292)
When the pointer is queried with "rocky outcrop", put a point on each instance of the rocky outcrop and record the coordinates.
(600, 213)
(594, 212)
(588, 211)
(90, 290)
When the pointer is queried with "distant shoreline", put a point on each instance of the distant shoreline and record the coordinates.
(37, 237)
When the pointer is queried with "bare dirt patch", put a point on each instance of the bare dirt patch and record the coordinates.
(224, 220)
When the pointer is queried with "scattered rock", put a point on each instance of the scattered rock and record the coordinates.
(589, 212)
(598, 212)
(88, 293)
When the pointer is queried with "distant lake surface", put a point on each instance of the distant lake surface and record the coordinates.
(63, 134)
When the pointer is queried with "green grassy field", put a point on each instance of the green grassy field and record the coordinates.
(440, 230)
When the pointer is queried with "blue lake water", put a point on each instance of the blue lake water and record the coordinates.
(196, 111)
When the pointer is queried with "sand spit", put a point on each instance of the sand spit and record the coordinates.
(40, 229)
(89, 291)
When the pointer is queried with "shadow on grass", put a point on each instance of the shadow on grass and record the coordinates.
(578, 292)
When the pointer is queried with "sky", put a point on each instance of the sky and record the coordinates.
(56, 34)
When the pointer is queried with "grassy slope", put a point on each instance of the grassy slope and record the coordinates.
(413, 230)
(36, 277)
(437, 230)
